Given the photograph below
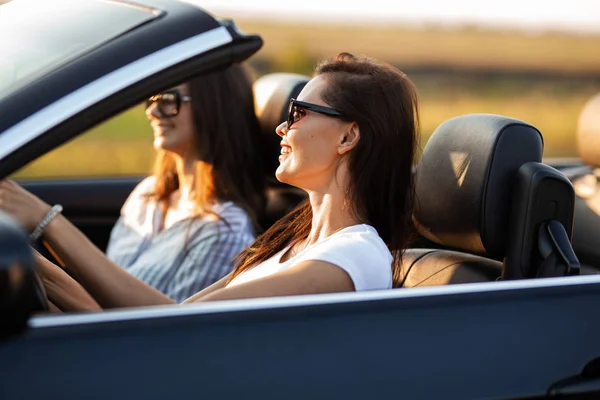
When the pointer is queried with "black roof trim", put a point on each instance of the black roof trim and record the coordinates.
(178, 22)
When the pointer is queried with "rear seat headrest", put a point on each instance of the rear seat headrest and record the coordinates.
(588, 132)
(464, 179)
(272, 93)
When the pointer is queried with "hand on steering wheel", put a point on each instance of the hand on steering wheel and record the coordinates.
(62, 290)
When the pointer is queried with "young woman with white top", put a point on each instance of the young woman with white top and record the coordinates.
(349, 141)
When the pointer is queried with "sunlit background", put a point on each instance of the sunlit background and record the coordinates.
(532, 60)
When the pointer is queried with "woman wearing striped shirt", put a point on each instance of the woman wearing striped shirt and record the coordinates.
(180, 228)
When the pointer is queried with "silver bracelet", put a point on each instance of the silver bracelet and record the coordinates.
(37, 232)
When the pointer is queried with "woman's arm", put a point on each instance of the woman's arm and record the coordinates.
(109, 284)
(220, 284)
(307, 277)
(53, 308)
(64, 293)
(344, 263)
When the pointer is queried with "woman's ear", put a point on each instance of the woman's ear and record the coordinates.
(349, 139)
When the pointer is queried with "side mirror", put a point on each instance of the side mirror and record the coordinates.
(18, 280)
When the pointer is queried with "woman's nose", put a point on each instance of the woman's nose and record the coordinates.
(282, 130)
(152, 111)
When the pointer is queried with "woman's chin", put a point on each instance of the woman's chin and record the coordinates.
(282, 175)
(162, 143)
(159, 143)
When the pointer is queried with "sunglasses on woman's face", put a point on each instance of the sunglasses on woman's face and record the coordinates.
(168, 103)
(297, 106)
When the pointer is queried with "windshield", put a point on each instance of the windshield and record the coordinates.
(41, 35)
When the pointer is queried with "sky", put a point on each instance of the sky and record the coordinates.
(572, 15)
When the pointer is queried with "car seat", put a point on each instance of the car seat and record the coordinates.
(465, 203)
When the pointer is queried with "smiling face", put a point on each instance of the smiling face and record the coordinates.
(312, 148)
(173, 133)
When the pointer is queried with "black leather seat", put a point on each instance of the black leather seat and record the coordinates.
(463, 198)
(272, 93)
(586, 229)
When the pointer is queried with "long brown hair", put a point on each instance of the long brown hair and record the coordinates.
(383, 102)
(228, 134)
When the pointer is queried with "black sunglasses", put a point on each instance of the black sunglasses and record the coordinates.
(296, 104)
(168, 103)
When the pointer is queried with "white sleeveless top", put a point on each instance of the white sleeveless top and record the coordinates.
(357, 249)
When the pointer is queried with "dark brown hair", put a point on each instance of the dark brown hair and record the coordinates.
(228, 137)
(383, 102)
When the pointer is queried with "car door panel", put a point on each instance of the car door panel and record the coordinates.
(451, 343)
(93, 205)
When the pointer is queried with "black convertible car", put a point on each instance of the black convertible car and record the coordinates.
(497, 299)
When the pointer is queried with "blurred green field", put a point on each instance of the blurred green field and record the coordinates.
(555, 116)
(120, 146)
(542, 79)
(288, 44)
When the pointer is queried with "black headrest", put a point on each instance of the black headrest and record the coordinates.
(464, 180)
(272, 93)
(588, 132)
